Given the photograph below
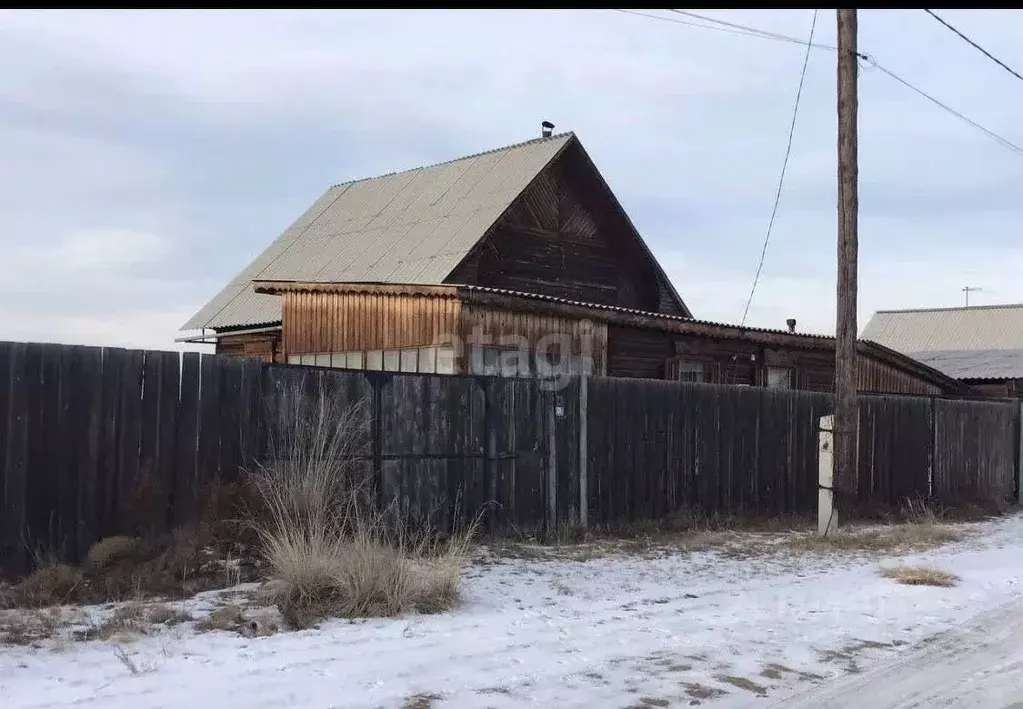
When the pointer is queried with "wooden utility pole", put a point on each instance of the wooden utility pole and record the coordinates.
(846, 412)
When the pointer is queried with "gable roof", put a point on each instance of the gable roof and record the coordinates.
(407, 227)
(978, 342)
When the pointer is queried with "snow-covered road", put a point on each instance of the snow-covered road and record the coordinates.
(613, 631)
(979, 664)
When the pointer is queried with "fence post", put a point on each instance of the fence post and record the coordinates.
(934, 447)
(1019, 451)
(490, 454)
(584, 509)
(552, 463)
(376, 436)
(827, 515)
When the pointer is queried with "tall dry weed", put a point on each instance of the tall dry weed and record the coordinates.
(331, 549)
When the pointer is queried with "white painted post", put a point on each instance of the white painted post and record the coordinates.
(827, 515)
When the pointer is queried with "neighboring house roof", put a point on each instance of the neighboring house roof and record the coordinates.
(979, 342)
(408, 227)
(975, 364)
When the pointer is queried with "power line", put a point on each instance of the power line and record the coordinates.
(727, 27)
(735, 28)
(744, 29)
(976, 46)
(685, 22)
(1005, 142)
(784, 169)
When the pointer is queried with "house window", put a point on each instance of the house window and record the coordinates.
(687, 370)
(780, 377)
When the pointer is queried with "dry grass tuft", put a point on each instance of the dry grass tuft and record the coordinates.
(51, 584)
(894, 539)
(132, 620)
(923, 510)
(130, 664)
(743, 683)
(330, 551)
(360, 574)
(421, 701)
(700, 691)
(233, 619)
(920, 576)
(29, 627)
(226, 618)
(109, 551)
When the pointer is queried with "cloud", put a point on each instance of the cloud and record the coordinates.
(148, 156)
(105, 249)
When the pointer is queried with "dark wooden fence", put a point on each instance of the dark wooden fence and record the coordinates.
(87, 433)
(656, 447)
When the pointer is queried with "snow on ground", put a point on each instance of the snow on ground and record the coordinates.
(978, 665)
(616, 631)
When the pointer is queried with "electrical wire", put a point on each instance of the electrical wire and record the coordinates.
(866, 59)
(744, 29)
(976, 46)
(685, 22)
(784, 169)
(1005, 142)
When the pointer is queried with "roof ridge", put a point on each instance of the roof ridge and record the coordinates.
(1003, 306)
(513, 146)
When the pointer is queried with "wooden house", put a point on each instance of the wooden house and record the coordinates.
(518, 261)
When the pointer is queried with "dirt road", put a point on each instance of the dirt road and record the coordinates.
(979, 664)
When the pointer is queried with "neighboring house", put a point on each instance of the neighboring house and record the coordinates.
(465, 266)
(982, 346)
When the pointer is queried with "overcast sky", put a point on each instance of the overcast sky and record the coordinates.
(146, 157)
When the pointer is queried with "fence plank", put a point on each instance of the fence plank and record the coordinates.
(49, 487)
(207, 467)
(107, 514)
(24, 371)
(8, 501)
(230, 379)
(88, 393)
(186, 441)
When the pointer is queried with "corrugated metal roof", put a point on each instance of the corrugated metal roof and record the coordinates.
(406, 227)
(980, 342)
(987, 327)
(633, 311)
(975, 364)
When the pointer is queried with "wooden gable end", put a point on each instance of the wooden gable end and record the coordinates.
(565, 236)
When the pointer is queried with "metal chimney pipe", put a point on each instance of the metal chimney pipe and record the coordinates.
(791, 322)
(546, 129)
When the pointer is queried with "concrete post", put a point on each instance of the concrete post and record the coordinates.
(827, 515)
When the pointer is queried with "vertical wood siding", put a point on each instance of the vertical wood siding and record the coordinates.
(585, 337)
(342, 322)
